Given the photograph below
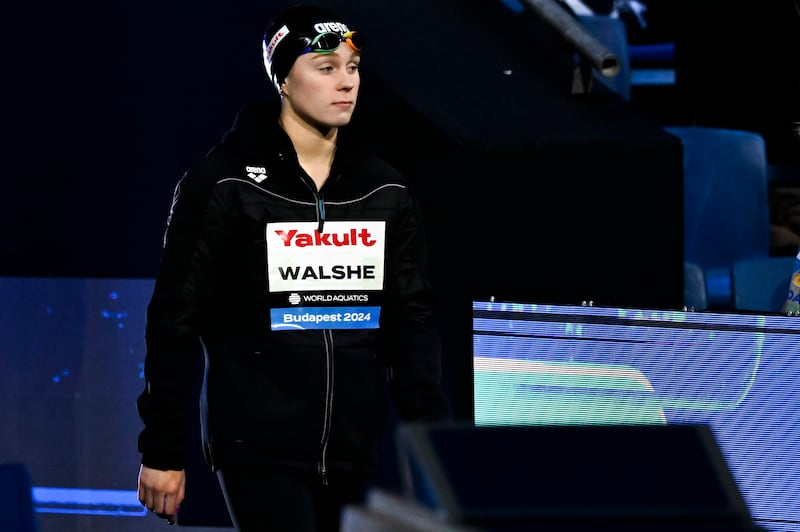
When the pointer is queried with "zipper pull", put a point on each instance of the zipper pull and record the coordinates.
(320, 214)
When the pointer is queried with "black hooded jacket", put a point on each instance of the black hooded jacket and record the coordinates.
(301, 317)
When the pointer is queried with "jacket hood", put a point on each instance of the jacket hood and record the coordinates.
(256, 128)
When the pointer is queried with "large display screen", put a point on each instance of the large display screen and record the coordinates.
(737, 373)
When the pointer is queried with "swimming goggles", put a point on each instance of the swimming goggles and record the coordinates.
(327, 43)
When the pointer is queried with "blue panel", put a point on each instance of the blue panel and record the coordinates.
(71, 354)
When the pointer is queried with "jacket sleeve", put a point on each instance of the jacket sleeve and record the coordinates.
(188, 279)
(411, 334)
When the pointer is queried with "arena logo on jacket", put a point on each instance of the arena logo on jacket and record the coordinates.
(325, 280)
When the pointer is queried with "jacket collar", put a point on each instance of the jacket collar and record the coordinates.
(256, 133)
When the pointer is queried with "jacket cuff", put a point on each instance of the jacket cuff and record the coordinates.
(163, 462)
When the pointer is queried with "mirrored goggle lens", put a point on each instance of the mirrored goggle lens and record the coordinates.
(326, 43)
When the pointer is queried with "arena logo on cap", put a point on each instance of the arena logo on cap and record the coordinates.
(336, 27)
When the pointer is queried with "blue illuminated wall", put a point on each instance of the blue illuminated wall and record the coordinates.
(71, 354)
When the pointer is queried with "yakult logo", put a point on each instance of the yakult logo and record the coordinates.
(335, 27)
(353, 237)
(269, 48)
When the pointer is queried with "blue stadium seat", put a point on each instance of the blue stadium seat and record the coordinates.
(761, 284)
(726, 208)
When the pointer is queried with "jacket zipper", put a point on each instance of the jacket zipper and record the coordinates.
(327, 336)
(320, 213)
(319, 202)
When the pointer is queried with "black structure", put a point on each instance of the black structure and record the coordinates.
(590, 477)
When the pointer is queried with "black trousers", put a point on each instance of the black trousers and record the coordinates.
(262, 498)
